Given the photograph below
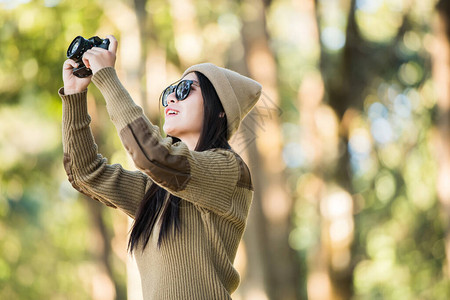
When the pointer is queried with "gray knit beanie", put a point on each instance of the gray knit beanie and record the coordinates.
(237, 93)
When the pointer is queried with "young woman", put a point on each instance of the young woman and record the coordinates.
(191, 197)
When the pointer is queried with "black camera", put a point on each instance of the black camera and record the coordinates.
(77, 48)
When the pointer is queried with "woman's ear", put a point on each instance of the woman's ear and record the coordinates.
(222, 114)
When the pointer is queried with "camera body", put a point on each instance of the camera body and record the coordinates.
(78, 47)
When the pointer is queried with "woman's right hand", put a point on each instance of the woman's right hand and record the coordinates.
(73, 84)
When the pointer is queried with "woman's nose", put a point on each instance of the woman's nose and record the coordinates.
(171, 98)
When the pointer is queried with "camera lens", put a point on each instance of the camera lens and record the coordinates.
(74, 47)
(78, 46)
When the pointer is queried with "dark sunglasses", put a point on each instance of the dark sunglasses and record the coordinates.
(181, 89)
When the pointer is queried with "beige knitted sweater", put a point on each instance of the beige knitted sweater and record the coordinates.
(215, 188)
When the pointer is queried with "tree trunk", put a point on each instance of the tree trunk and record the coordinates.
(344, 84)
(271, 271)
(104, 285)
(132, 21)
(188, 41)
(142, 24)
(441, 75)
(132, 55)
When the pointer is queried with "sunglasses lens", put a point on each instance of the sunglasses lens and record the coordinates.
(183, 89)
(166, 93)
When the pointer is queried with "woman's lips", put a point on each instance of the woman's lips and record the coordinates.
(171, 112)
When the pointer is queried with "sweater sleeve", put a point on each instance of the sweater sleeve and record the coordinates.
(87, 170)
(207, 178)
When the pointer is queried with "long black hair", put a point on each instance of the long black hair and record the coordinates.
(157, 202)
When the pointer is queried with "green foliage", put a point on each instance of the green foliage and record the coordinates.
(44, 231)
(383, 74)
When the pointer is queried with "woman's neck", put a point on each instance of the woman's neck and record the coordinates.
(190, 140)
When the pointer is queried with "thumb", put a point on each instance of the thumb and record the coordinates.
(112, 43)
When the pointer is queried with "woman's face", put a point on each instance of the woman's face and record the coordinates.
(187, 122)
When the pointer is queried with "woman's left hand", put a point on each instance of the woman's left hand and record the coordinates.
(98, 58)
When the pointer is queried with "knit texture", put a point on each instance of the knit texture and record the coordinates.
(237, 93)
(214, 185)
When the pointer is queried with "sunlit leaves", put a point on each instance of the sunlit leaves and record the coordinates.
(389, 146)
(31, 135)
(382, 15)
(36, 220)
(410, 73)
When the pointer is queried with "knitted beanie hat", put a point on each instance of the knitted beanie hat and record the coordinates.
(237, 93)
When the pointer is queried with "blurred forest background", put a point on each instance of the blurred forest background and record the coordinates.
(349, 146)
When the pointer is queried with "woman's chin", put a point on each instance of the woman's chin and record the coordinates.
(169, 130)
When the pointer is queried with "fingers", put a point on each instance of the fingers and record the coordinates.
(73, 84)
(92, 54)
(69, 64)
(98, 58)
(85, 59)
(112, 43)
(96, 50)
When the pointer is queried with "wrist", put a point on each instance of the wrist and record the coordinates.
(72, 90)
(75, 85)
(95, 71)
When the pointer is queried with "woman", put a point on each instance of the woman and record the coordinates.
(191, 197)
